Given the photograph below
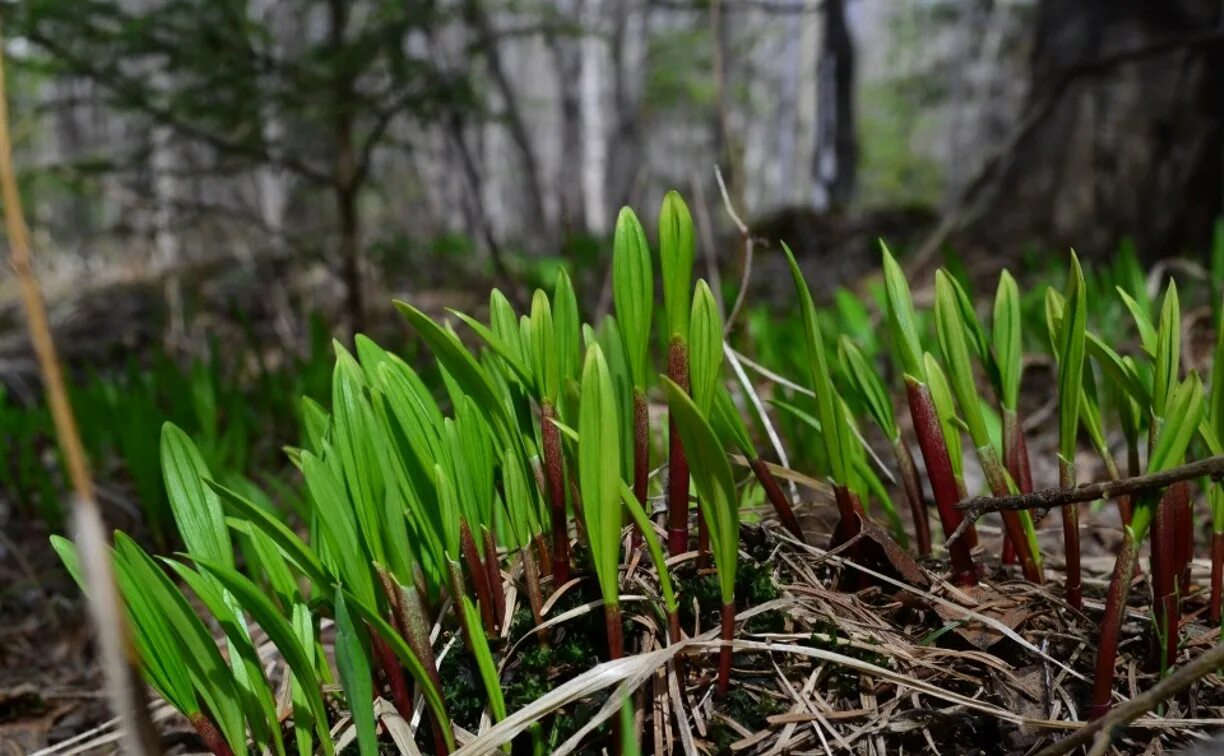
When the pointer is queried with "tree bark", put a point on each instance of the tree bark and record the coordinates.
(836, 157)
(344, 186)
(1126, 137)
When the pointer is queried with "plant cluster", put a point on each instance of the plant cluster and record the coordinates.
(534, 469)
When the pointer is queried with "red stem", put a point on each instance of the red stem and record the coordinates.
(1071, 537)
(1015, 457)
(531, 575)
(641, 455)
(703, 541)
(993, 469)
(724, 653)
(1217, 576)
(913, 494)
(401, 696)
(781, 505)
(554, 474)
(480, 578)
(1186, 544)
(210, 735)
(493, 569)
(677, 462)
(616, 633)
(1165, 552)
(1111, 624)
(943, 481)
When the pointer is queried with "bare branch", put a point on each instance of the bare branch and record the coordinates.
(1212, 467)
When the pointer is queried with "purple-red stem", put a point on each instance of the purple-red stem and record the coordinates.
(554, 475)
(615, 630)
(480, 578)
(1217, 575)
(401, 696)
(211, 735)
(531, 576)
(913, 494)
(1185, 526)
(1166, 552)
(724, 653)
(781, 505)
(1071, 540)
(641, 455)
(1015, 457)
(1111, 624)
(943, 481)
(677, 462)
(493, 569)
(996, 478)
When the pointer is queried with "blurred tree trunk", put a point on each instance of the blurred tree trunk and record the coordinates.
(344, 178)
(836, 159)
(567, 55)
(594, 71)
(625, 149)
(1123, 134)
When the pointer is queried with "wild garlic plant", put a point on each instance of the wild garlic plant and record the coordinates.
(420, 510)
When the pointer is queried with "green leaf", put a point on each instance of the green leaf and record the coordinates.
(566, 326)
(1071, 361)
(1147, 331)
(828, 404)
(509, 352)
(357, 453)
(460, 364)
(945, 408)
(633, 291)
(676, 252)
(353, 661)
(155, 601)
(1006, 334)
(979, 340)
(715, 487)
(283, 637)
(197, 510)
(951, 331)
(729, 425)
(1168, 351)
(599, 481)
(1184, 412)
(1215, 411)
(705, 347)
(901, 319)
(543, 348)
(484, 660)
(293, 547)
(866, 381)
(339, 527)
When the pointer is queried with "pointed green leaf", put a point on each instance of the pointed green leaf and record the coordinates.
(715, 487)
(951, 331)
(566, 326)
(599, 481)
(901, 319)
(1168, 351)
(353, 661)
(1147, 331)
(676, 252)
(197, 510)
(865, 379)
(1071, 360)
(1006, 335)
(633, 291)
(293, 547)
(828, 403)
(1183, 415)
(705, 347)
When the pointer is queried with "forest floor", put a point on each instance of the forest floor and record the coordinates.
(879, 660)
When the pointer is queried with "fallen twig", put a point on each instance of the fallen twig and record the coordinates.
(1049, 498)
(1105, 727)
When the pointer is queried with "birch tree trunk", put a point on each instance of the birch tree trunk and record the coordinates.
(835, 163)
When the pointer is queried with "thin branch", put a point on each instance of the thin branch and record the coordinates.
(1212, 467)
(747, 241)
(1105, 727)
